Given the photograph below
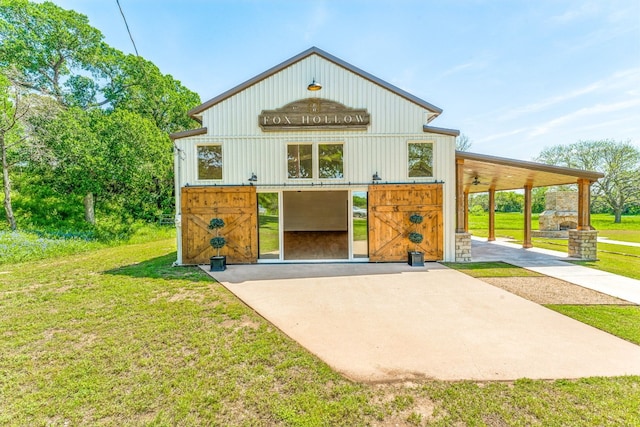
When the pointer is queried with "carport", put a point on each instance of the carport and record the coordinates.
(479, 173)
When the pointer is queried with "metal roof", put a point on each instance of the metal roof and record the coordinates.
(482, 172)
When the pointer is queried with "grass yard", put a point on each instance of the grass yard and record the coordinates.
(491, 269)
(116, 336)
(268, 233)
(617, 259)
(622, 321)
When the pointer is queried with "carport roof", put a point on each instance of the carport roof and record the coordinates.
(482, 172)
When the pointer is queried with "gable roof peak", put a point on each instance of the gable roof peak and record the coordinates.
(313, 50)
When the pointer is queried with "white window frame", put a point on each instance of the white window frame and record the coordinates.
(314, 172)
(317, 166)
(433, 157)
(197, 161)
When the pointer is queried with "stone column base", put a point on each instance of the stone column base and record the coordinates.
(583, 244)
(463, 247)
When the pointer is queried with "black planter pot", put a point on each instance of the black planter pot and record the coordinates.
(416, 259)
(218, 263)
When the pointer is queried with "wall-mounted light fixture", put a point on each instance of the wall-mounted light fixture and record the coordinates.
(314, 86)
(376, 177)
(253, 178)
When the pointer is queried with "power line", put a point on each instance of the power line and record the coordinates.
(128, 30)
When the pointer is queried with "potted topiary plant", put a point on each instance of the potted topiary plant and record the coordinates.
(416, 258)
(218, 262)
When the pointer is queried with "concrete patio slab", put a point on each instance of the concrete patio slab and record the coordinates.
(553, 264)
(392, 322)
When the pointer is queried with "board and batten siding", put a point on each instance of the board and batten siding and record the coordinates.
(238, 115)
(381, 148)
(363, 154)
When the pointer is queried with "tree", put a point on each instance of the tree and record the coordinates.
(12, 109)
(138, 85)
(463, 143)
(619, 189)
(115, 157)
(509, 201)
(55, 50)
(538, 199)
(112, 107)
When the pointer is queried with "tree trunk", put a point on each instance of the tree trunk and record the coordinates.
(618, 216)
(89, 209)
(7, 189)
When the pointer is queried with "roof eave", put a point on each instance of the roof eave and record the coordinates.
(561, 170)
(188, 133)
(441, 131)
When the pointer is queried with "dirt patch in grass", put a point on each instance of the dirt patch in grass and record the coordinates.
(549, 290)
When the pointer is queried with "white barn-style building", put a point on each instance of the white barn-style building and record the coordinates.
(317, 160)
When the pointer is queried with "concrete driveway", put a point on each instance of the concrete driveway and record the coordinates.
(392, 322)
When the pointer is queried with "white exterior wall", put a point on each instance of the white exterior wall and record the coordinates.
(382, 148)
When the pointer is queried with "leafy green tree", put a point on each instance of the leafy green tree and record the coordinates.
(55, 50)
(118, 157)
(479, 199)
(138, 85)
(619, 161)
(538, 199)
(106, 141)
(75, 164)
(142, 182)
(509, 201)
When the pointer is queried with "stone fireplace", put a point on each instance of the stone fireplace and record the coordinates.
(560, 214)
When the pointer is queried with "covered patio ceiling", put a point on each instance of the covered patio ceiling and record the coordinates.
(482, 172)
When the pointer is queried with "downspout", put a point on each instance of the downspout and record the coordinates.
(177, 167)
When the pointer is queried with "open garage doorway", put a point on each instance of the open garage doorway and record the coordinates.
(315, 225)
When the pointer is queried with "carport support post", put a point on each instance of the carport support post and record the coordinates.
(459, 196)
(583, 242)
(584, 199)
(527, 217)
(463, 239)
(466, 211)
(492, 215)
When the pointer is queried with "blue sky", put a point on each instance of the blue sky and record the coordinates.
(514, 76)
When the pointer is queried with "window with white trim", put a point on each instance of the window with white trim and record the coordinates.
(331, 161)
(299, 161)
(209, 162)
(420, 159)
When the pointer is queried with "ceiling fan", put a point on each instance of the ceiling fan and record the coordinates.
(476, 181)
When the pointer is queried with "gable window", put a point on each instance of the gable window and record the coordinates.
(210, 162)
(420, 159)
(300, 161)
(330, 161)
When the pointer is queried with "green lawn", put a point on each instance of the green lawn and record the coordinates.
(491, 269)
(629, 227)
(622, 321)
(116, 336)
(269, 235)
(617, 259)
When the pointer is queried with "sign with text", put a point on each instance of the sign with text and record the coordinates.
(313, 114)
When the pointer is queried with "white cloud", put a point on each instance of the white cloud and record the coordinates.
(586, 9)
(470, 65)
(501, 135)
(626, 81)
(594, 111)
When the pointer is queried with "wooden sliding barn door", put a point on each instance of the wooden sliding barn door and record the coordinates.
(237, 206)
(390, 206)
